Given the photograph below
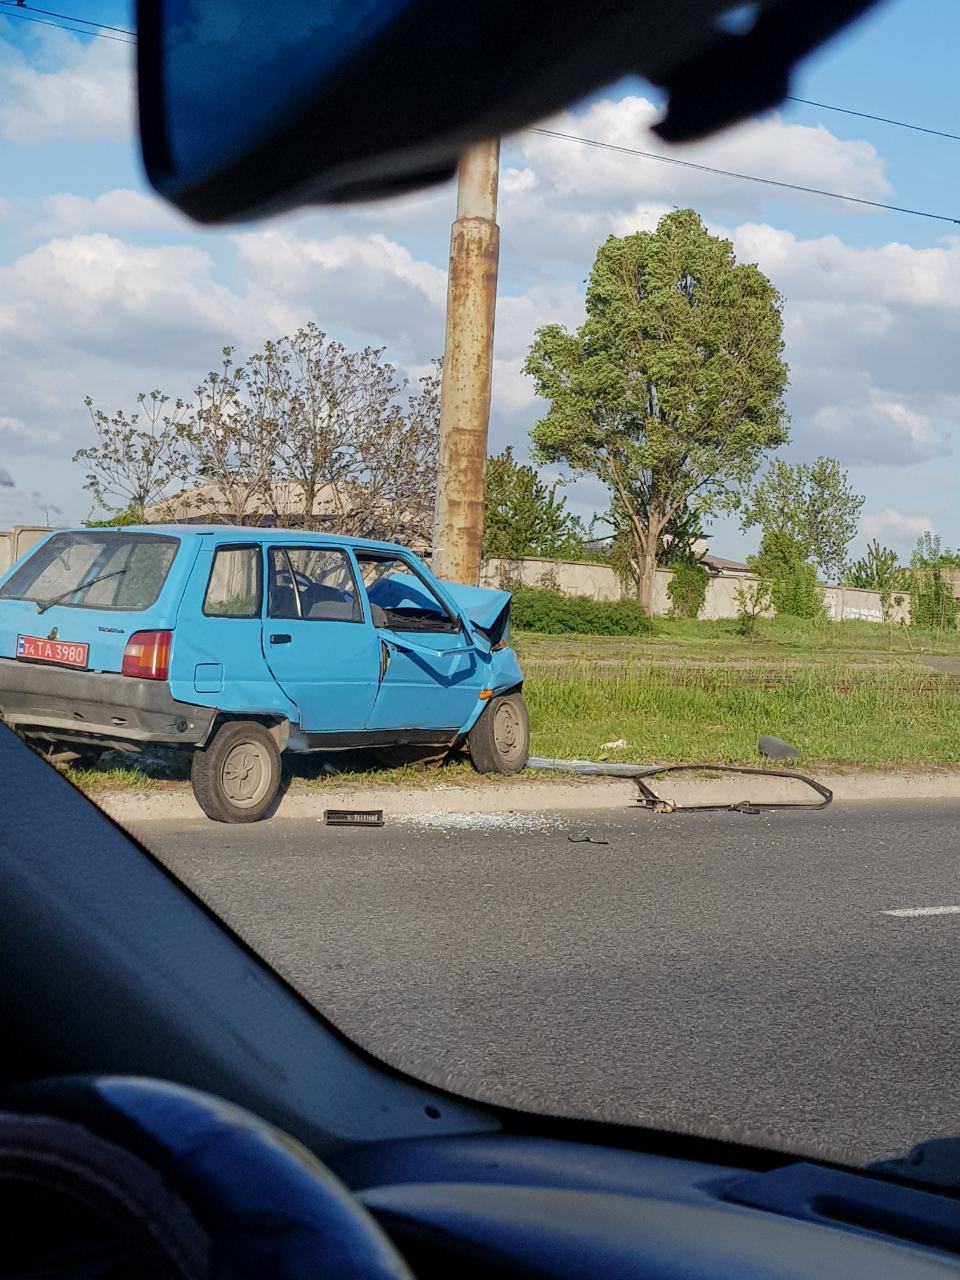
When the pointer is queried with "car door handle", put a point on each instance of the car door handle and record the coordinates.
(280, 638)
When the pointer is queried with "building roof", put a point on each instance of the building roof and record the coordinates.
(718, 564)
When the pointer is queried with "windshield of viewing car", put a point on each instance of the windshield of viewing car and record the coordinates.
(105, 570)
(720, 490)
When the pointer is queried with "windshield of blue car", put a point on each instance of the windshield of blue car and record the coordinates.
(407, 601)
(106, 569)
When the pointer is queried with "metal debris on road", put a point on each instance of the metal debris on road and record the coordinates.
(649, 799)
(777, 749)
(586, 840)
(353, 817)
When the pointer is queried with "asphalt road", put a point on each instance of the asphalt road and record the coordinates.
(712, 972)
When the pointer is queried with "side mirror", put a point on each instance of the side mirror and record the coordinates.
(248, 108)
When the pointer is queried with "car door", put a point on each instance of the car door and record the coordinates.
(431, 675)
(218, 649)
(321, 649)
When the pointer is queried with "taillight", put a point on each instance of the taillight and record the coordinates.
(147, 655)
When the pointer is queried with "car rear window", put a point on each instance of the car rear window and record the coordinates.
(234, 587)
(102, 569)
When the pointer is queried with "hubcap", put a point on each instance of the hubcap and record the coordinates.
(246, 774)
(508, 731)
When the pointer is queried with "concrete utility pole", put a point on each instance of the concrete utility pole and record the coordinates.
(467, 366)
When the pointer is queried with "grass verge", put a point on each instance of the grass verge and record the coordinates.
(807, 642)
(841, 714)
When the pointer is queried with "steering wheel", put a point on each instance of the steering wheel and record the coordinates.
(156, 1180)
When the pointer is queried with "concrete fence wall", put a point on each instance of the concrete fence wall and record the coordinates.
(586, 578)
(600, 582)
(17, 541)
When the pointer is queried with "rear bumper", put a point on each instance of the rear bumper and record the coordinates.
(55, 704)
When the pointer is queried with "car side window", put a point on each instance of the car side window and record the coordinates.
(400, 599)
(312, 583)
(233, 590)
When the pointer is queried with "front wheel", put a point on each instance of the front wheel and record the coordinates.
(237, 776)
(500, 740)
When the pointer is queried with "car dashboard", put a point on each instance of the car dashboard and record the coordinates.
(109, 966)
(509, 1205)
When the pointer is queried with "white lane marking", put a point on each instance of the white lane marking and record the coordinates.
(923, 911)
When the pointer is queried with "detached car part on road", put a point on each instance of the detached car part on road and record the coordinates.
(241, 644)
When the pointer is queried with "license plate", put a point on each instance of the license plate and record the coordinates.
(61, 652)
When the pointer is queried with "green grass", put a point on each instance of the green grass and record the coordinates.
(786, 640)
(847, 716)
(113, 778)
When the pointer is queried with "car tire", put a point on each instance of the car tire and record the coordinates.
(500, 740)
(236, 777)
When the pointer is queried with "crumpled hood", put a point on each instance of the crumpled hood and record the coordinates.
(482, 605)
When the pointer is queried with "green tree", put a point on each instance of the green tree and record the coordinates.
(812, 503)
(137, 457)
(524, 516)
(119, 520)
(932, 603)
(672, 388)
(879, 570)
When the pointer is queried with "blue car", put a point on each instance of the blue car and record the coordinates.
(240, 644)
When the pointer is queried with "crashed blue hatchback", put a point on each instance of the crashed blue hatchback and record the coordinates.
(241, 644)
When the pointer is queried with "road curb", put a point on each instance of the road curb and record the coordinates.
(536, 795)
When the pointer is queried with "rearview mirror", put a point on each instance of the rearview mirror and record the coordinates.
(247, 107)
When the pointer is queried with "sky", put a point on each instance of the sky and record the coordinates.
(105, 291)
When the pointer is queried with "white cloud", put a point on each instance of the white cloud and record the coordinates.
(870, 337)
(121, 209)
(894, 525)
(559, 199)
(871, 428)
(811, 156)
(95, 315)
(66, 88)
(105, 296)
(364, 285)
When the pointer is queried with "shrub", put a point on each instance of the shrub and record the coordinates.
(687, 589)
(797, 594)
(782, 563)
(537, 609)
(753, 601)
(932, 603)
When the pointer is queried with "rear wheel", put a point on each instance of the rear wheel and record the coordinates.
(500, 740)
(237, 776)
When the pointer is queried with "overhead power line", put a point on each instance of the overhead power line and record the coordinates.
(69, 17)
(866, 115)
(742, 177)
(98, 30)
